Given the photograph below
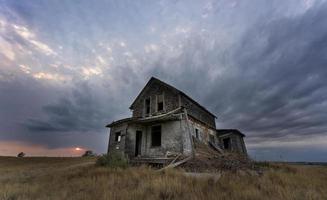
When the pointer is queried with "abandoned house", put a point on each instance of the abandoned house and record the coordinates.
(166, 121)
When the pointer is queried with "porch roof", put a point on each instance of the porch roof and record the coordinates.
(172, 115)
(223, 132)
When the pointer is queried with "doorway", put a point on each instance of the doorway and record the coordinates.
(138, 143)
(226, 142)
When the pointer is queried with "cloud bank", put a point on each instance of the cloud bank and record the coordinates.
(68, 69)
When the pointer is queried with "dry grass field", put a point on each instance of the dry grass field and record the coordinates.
(78, 178)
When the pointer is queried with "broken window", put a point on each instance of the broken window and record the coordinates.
(197, 133)
(226, 142)
(147, 106)
(117, 137)
(160, 102)
(156, 136)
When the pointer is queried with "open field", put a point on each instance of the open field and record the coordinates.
(78, 178)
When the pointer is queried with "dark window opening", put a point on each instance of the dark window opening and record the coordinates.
(160, 103)
(197, 133)
(156, 136)
(212, 139)
(117, 137)
(226, 142)
(160, 106)
(147, 106)
(138, 143)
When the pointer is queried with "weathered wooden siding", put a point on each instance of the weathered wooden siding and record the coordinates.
(154, 89)
(171, 140)
(197, 112)
(204, 131)
(114, 146)
(236, 142)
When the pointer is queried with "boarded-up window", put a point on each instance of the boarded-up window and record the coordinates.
(156, 136)
(160, 102)
(147, 106)
(117, 137)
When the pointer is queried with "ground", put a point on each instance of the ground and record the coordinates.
(78, 178)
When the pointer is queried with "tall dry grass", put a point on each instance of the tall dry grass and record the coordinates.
(53, 178)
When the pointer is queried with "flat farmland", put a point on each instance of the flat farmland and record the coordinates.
(78, 178)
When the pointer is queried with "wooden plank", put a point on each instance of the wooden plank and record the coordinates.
(174, 159)
(176, 164)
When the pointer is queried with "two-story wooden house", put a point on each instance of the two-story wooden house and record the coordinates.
(164, 121)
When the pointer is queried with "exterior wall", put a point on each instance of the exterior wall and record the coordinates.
(204, 131)
(174, 139)
(236, 142)
(171, 139)
(131, 138)
(170, 99)
(239, 145)
(114, 146)
(187, 129)
(197, 112)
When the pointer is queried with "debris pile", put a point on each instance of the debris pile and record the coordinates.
(209, 160)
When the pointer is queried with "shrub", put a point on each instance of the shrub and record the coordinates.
(21, 154)
(114, 160)
(88, 153)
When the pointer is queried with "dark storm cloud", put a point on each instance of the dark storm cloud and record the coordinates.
(275, 84)
(261, 67)
(81, 112)
(286, 77)
(76, 118)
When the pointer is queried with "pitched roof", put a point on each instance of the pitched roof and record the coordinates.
(153, 79)
(226, 131)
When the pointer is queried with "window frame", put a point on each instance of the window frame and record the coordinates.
(118, 136)
(227, 141)
(197, 133)
(152, 138)
(212, 139)
(163, 102)
(145, 106)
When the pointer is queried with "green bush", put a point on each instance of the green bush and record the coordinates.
(114, 160)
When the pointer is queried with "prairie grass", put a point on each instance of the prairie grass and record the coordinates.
(78, 178)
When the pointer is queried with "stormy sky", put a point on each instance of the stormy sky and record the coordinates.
(70, 67)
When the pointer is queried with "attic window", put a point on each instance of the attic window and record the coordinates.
(156, 136)
(160, 102)
(117, 137)
(147, 106)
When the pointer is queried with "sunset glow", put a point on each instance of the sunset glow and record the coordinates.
(12, 148)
